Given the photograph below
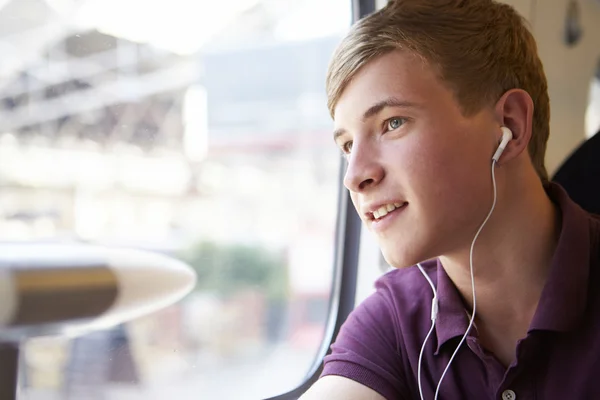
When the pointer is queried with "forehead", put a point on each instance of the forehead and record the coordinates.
(397, 74)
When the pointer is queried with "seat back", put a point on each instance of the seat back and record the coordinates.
(579, 175)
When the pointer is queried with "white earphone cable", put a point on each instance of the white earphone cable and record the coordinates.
(433, 317)
(434, 301)
(472, 282)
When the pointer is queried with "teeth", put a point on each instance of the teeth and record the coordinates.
(384, 210)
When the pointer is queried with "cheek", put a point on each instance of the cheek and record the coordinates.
(444, 174)
(422, 162)
(451, 161)
(457, 197)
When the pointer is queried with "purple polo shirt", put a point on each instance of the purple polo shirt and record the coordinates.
(559, 358)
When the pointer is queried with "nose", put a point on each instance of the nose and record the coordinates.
(364, 169)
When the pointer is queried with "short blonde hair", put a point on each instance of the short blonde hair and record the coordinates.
(480, 48)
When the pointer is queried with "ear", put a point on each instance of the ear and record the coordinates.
(515, 111)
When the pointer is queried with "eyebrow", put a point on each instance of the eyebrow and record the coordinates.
(376, 109)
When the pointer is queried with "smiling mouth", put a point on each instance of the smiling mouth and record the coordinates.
(385, 210)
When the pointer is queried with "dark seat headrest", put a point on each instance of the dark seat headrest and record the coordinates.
(579, 175)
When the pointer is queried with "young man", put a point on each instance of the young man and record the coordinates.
(421, 93)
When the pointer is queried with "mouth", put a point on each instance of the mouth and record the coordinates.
(385, 211)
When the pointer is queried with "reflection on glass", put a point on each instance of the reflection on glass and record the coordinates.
(195, 129)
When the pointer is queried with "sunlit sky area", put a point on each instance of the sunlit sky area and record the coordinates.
(184, 26)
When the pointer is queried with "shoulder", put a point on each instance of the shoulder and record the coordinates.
(595, 234)
(595, 222)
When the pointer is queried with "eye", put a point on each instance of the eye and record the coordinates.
(347, 147)
(395, 123)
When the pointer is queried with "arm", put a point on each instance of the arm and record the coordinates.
(333, 387)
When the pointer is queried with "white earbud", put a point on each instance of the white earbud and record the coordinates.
(506, 137)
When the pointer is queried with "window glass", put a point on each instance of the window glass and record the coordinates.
(197, 129)
(371, 265)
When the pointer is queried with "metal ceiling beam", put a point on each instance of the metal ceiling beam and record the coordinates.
(72, 68)
(126, 89)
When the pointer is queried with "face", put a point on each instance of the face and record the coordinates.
(419, 171)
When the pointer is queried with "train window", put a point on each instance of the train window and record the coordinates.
(371, 265)
(195, 129)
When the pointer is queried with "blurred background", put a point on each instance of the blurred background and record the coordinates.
(194, 129)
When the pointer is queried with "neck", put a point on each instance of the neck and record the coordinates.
(510, 260)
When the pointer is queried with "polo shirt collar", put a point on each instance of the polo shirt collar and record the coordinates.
(562, 302)
(452, 320)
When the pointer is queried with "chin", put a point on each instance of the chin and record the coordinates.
(404, 256)
(398, 259)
